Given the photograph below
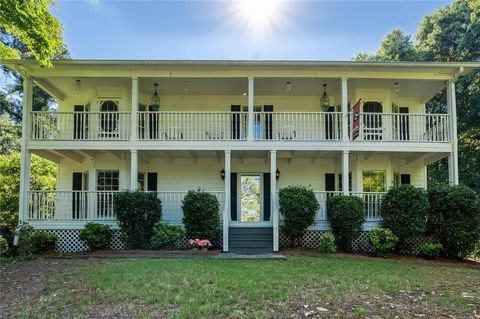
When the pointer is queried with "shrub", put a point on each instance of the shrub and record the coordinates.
(404, 212)
(431, 250)
(96, 236)
(42, 242)
(298, 206)
(346, 217)
(3, 246)
(454, 219)
(165, 235)
(137, 212)
(326, 244)
(201, 215)
(382, 240)
(23, 243)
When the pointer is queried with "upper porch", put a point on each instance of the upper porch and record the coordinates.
(246, 103)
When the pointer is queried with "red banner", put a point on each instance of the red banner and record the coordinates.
(356, 120)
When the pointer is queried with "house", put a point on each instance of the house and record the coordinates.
(238, 129)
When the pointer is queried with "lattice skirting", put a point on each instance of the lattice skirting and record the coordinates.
(311, 238)
(69, 241)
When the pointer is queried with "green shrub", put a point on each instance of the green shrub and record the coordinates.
(42, 242)
(454, 219)
(96, 236)
(201, 216)
(326, 244)
(298, 206)
(382, 240)
(346, 217)
(404, 211)
(431, 250)
(3, 246)
(165, 235)
(23, 243)
(136, 213)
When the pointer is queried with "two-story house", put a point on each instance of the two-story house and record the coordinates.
(238, 129)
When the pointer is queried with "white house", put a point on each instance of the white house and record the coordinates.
(238, 129)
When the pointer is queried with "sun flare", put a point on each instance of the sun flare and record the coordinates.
(259, 15)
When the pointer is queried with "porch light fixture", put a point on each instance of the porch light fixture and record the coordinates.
(325, 101)
(77, 86)
(288, 87)
(222, 174)
(277, 174)
(155, 97)
(397, 87)
(185, 86)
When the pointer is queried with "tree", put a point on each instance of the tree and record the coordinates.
(30, 22)
(450, 34)
(9, 136)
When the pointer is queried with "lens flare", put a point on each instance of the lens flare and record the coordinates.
(259, 16)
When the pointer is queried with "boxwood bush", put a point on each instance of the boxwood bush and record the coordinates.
(3, 246)
(201, 216)
(346, 217)
(298, 206)
(96, 236)
(326, 244)
(430, 250)
(382, 240)
(42, 242)
(165, 235)
(404, 211)
(454, 219)
(136, 213)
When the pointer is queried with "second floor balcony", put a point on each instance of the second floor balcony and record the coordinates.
(235, 126)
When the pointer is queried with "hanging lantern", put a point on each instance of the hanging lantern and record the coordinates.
(155, 97)
(325, 101)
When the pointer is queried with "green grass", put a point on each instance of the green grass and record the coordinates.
(354, 287)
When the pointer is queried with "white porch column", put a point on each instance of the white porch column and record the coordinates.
(134, 115)
(133, 169)
(453, 157)
(345, 132)
(226, 210)
(345, 171)
(273, 198)
(25, 153)
(250, 108)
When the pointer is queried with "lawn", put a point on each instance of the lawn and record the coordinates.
(302, 286)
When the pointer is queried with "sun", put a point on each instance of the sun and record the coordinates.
(259, 16)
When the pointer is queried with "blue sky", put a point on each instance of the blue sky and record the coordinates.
(312, 30)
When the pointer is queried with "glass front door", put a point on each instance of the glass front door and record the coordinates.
(250, 198)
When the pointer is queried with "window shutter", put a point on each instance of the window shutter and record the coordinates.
(329, 182)
(266, 196)
(233, 196)
(235, 122)
(152, 182)
(268, 121)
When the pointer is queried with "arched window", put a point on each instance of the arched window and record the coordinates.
(109, 116)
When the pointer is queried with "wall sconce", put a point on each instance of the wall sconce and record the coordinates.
(277, 174)
(222, 174)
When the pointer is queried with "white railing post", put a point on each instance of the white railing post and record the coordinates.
(226, 208)
(345, 173)
(273, 198)
(250, 108)
(345, 137)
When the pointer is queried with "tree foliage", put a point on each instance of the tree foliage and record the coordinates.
(450, 34)
(30, 22)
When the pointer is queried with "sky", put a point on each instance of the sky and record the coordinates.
(234, 30)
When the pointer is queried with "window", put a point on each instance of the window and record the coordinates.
(108, 180)
(373, 181)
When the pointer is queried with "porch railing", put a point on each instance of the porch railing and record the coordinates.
(192, 125)
(98, 205)
(80, 125)
(373, 204)
(304, 126)
(399, 127)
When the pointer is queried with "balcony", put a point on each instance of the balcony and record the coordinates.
(234, 126)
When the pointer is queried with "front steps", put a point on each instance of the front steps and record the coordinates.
(250, 240)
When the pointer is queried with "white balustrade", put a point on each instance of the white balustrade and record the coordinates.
(192, 125)
(373, 204)
(80, 125)
(400, 127)
(304, 126)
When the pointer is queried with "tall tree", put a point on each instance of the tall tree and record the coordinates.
(450, 34)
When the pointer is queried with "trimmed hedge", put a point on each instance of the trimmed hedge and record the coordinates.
(42, 242)
(346, 217)
(404, 212)
(454, 219)
(96, 236)
(382, 240)
(165, 235)
(136, 213)
(298, 206)
(326, 244)
(201, 216)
